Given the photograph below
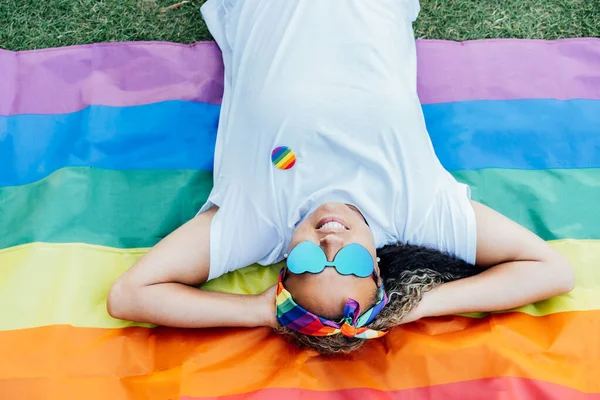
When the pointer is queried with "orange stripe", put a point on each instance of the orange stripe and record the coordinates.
(283, 164)
(291, 161)
(66, 362)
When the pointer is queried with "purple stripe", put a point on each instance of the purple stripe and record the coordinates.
(508, 69)
(276, 154)
(120, 74)
(68, 79)
(301, 322)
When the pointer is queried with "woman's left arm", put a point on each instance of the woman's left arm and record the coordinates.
(520, 269)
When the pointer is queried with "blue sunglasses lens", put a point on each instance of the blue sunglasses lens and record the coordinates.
(306, 257)
(354, 259)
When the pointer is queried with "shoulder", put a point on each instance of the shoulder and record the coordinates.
(449, 225)
(241, 233)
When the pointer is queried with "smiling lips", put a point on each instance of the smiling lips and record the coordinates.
(332, 224)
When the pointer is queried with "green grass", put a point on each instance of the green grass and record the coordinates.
(34, 24)
(523, 19)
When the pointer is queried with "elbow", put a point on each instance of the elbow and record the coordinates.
(120, 300)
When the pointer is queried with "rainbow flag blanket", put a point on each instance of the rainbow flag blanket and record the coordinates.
(107, 148)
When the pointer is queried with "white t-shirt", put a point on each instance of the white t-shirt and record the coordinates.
(335, 81)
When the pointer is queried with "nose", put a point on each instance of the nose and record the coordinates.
(331, 244)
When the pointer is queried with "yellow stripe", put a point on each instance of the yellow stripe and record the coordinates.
(49, 284)
(285, 160)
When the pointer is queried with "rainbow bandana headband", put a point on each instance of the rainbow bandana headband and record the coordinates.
(296, 318)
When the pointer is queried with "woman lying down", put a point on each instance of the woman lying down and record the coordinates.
(323, 159)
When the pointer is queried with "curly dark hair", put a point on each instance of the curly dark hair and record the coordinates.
(407, 272)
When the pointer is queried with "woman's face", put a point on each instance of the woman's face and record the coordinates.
(333, 226)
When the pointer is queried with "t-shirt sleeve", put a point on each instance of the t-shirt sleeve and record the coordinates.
(240, 235)
(450, 225)
(215, 14)
(413, 7)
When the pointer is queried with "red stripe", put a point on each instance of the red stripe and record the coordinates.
(291, 164)
(314, 327)
(502, 388)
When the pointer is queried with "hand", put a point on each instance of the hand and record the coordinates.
(267, 309)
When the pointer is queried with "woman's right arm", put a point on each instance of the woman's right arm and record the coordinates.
(159, 290)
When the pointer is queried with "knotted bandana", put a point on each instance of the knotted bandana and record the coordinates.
(296, 318)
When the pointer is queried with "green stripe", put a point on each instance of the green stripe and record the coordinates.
(555, 204)
(128, 209)
(121, 209)
(282, 156)
(286, 306)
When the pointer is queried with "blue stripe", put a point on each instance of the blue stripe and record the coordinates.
(292, 315)
(275, 156)
(518, 134)
(167, 135)
(522, 134)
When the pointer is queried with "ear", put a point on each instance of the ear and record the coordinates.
(378, 271)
